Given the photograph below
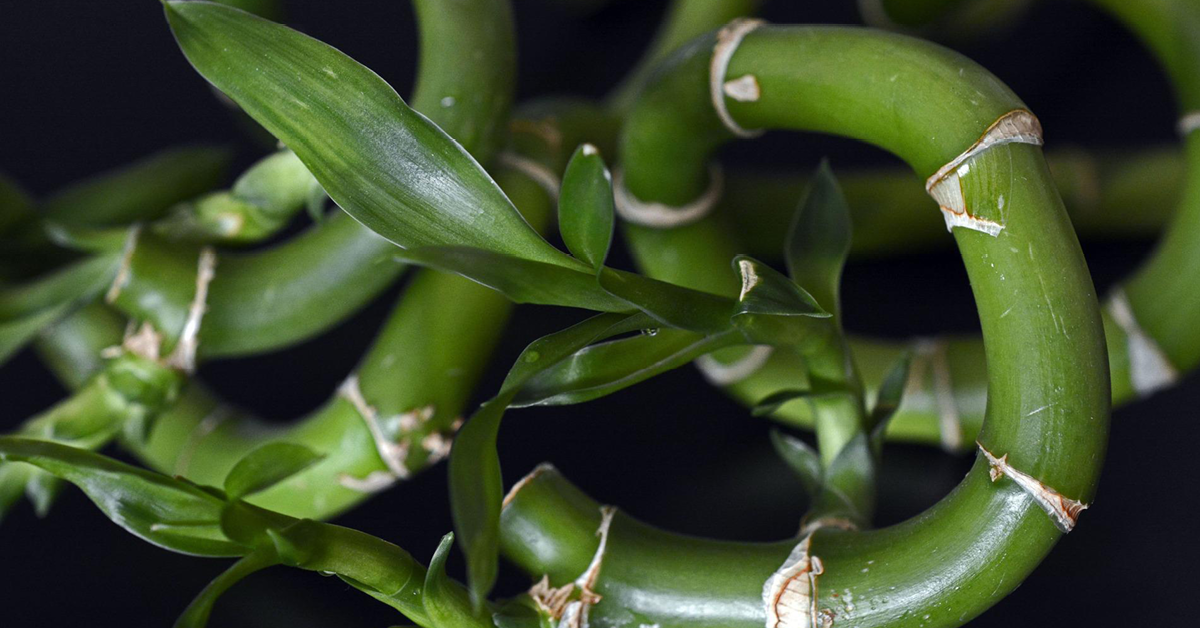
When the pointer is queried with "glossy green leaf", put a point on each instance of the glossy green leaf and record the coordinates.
(671, 305)
(444, 601)
(776, 400)
(891, 393)
(520, 280)
(166, 512)
(197, 613)
(802, 459)
(383, 163)
(267, 466)
(848, 485)
(476, 485)
(818, 389)
(476, 490)
(602, 369)
(818, 240)
(143, 190)
(585, 207)
(767, 292)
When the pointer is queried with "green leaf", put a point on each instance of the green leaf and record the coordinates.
(771, 309)
(383, 163)
(776, 400)
(547, 351)
(585, 207)
(476, 490)
(143, 190)
(887, 401)
(848, 489)
(602, 369)
(167, 512)
(443, 599)
(520, 280)
(766, 292)
(802, 459)
(476, 485)
(819, 388)
(671, 305)
(197, 613)
(818, 240)
(267, 466)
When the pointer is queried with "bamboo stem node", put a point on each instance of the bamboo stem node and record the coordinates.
(790, 594)
(393, 454)
(660, 215)
(538, 173)
(184, 355)
(728, 39)
(1063, 511)
(945, 186)
(556, 602)
(720, 374)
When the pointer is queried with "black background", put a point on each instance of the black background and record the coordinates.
(89, 85)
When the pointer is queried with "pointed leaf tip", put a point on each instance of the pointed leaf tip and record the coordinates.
(768, 292)
(386, 165)
(585, 207)
(818, 240)
(444, 600)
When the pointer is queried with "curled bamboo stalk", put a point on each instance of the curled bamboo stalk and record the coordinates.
(1146, 317)
(928, 119)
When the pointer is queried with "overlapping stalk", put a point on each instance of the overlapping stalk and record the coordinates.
(1147, 316)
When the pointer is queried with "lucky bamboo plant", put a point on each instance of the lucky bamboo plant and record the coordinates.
(125, 283)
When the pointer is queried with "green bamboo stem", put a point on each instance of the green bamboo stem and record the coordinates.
(685, 20)
(1161, 294)
(952, 562)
